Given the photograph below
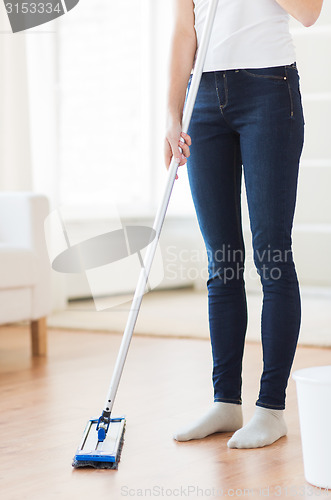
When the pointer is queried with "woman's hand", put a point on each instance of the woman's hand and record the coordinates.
(172, 144)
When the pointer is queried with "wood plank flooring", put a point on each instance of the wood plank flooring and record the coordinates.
(45, 404)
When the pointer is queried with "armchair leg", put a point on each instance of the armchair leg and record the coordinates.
(39, 337)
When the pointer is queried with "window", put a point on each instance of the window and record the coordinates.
(103, 74)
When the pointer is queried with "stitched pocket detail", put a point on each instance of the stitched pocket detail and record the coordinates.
(267, 77)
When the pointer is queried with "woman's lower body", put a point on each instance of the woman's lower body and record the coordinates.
(250, 121)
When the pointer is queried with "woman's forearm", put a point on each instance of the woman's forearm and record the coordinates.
(305, 11)
(183, 49)
(181, 62)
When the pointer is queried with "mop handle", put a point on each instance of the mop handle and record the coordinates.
(161, 212)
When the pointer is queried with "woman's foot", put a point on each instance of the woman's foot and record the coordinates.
(222, 417)
(266, 426)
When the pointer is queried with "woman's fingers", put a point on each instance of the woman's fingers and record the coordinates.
(184, 143)
(178, 149)
(186, 138)
(185, 148)
(179, 157)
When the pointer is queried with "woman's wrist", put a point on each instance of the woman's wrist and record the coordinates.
(174, 117)
(171, 124)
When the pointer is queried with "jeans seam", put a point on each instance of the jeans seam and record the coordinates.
(221, 106)
(259, 403)
(286, 183)
(290, 93)
(225, 400)
(226, 90)
(238, 207)
(217, 91)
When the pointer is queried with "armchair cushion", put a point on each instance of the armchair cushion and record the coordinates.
(18, 267)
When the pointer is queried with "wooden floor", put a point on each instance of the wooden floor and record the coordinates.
(45, 404)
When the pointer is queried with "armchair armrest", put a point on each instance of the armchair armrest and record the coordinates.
(22, 216)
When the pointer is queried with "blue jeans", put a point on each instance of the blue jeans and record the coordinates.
(251, 121)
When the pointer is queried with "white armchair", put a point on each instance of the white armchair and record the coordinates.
(24, 264)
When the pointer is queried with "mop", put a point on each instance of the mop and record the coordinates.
(103, 438)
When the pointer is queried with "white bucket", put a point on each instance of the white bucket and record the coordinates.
(314, 401)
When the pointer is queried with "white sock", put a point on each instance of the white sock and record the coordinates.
(266, 426)
(222, 417)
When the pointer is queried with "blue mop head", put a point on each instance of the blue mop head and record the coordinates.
(101, 454)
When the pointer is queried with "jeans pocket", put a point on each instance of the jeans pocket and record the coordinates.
(277, 74)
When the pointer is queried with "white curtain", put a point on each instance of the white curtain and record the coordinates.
(28, 118)
(15, 149)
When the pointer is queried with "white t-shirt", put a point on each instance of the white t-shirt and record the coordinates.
(246, 34)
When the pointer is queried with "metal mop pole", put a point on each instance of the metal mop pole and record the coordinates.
(158, 223)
